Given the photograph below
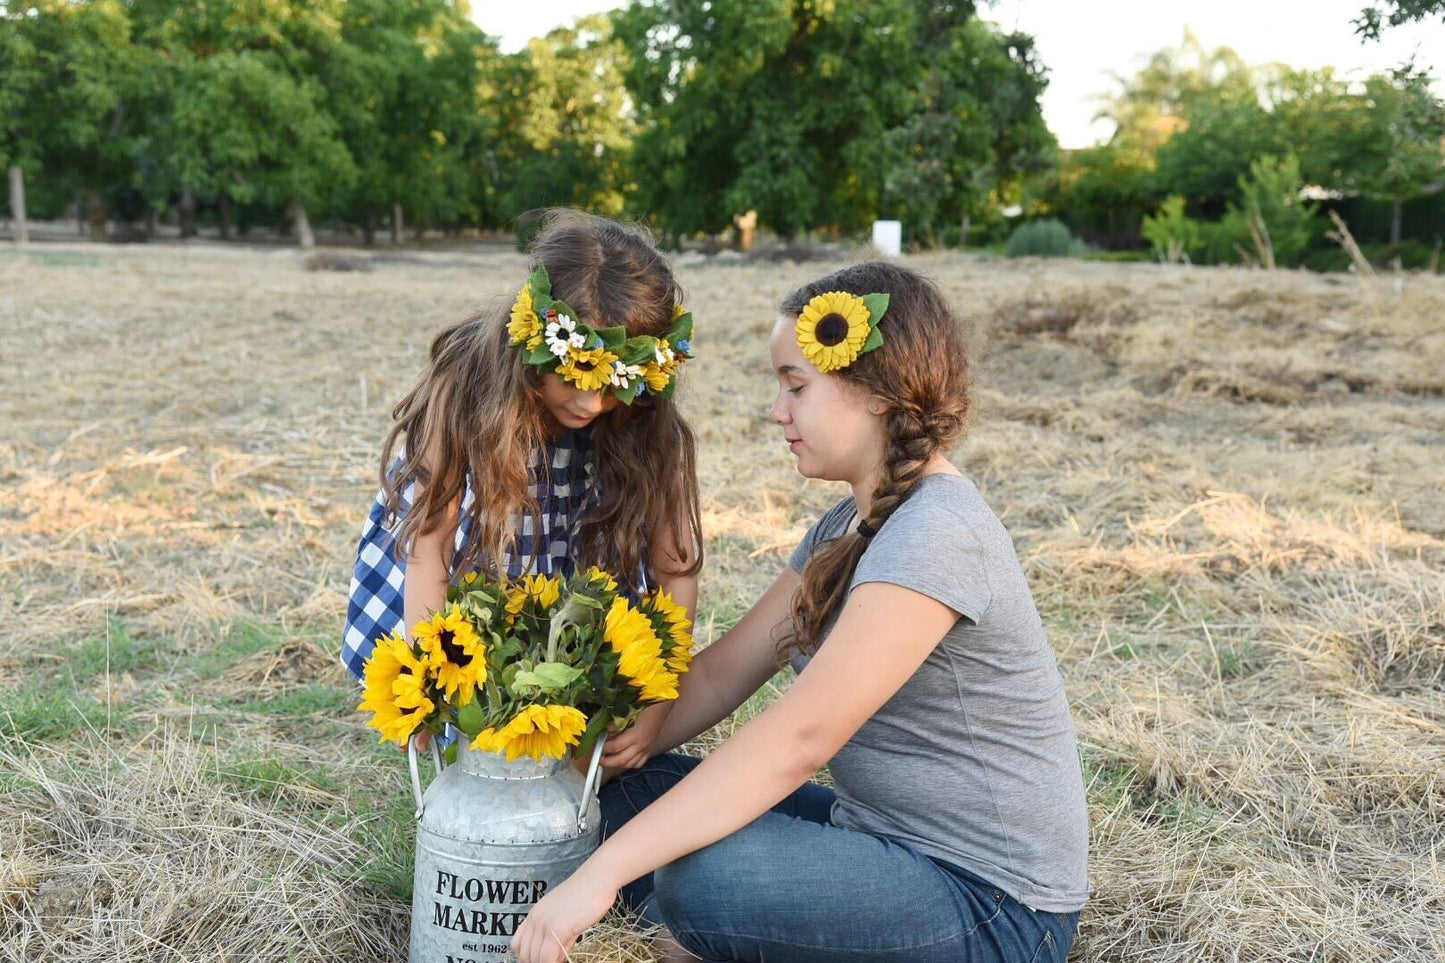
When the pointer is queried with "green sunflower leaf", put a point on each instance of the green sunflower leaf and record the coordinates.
(877, 305)
(547, 676)
(875, 339)
(595, 726)
(540, 284)
(470, 719)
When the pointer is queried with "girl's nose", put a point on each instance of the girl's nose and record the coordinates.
(778, 413)
(590, 402)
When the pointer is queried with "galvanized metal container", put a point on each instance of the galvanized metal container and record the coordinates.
(493, 837)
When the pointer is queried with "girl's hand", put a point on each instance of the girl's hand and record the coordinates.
(558, 918)
(632, 748)
(423, 739)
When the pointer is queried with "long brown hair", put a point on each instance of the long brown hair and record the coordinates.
(475, 410)
(921, 372)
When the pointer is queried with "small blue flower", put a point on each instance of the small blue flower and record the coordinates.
(685, 346)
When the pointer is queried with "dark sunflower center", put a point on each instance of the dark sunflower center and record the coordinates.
(455, 653)
(584, 365)
(833, 329)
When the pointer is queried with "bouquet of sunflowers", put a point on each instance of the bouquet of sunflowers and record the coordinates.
(534, 667)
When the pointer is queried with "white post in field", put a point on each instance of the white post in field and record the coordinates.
(888, 237)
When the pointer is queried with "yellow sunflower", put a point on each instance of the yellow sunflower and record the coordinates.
(679, 630)
(678, 311)
(454, 652)
(541, 589)
(659, 369)
(590, 370)
(525, 325)
(537, 731)
(595, 574)
(831, 330)
(631, 636)
(395, 691)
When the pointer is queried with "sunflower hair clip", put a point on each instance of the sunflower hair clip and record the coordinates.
(596, 359)
(836, 327)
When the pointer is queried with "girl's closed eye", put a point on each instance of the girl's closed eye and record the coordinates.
(796, 391)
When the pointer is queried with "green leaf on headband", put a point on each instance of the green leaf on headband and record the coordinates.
(541, 354)
(629, 394)
(637, 350)
(682, 329)
(666, 393)
(875, 339)
(562, 307)
(614, 337)
(540, 284)
(876, 304)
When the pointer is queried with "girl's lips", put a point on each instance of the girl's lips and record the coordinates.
(793, 445)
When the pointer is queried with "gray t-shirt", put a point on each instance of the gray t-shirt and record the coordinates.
(973, 761)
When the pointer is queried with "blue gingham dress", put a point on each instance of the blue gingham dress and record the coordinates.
(564, 489)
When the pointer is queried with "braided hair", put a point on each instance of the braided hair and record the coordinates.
(922, 373)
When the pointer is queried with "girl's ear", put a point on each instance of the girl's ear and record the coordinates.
(877, 406)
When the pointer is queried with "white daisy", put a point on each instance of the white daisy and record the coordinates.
(622, 374)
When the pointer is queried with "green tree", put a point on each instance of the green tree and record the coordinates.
(250, 118)
(973, 130)
(696, 80)
(828, 112)
(563, 127)
(1399, 148)
(1373, 19)
(403, 86)
(83, 122)
(1271, 220)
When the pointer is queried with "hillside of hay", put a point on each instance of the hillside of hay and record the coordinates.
(1224, 486)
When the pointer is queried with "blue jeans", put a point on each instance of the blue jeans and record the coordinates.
(792, 887)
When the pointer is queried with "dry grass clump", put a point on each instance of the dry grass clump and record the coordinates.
(1222, 484)
(166, 851)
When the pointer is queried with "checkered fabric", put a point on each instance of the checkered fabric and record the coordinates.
(564, 490)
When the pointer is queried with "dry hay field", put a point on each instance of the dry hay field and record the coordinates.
(1224, 486)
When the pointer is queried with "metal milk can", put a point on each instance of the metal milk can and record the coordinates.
(493, 837)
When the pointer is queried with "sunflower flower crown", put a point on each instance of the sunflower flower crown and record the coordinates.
(537, 666)
(836, 327)
(596, 359)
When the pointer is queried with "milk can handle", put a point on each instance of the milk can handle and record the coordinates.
(593, 769)
(436, 756)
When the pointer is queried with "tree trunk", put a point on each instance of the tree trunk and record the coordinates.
(396, 222)
(303, 224)
(1395, 219)
(17, 204)
(224, 204)
(187, 212)
(151, 223)
(95, 213)
(368, 231)
(963, 227)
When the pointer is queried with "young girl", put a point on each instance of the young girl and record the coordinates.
(528, 452)
(957, 829)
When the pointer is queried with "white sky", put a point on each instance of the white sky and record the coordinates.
(1084, 42)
